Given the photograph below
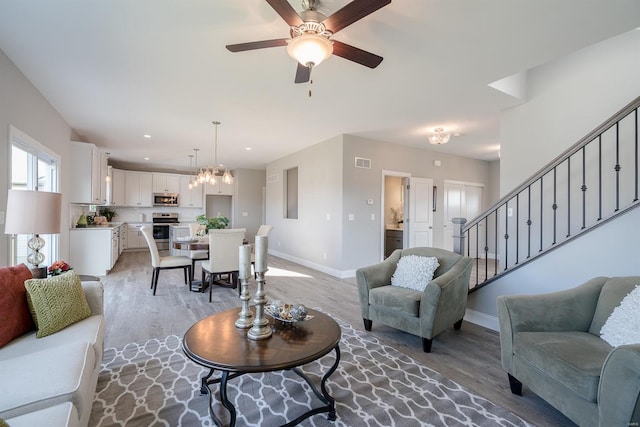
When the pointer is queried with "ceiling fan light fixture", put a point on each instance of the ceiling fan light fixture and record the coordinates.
(439, 136)
(309, 49)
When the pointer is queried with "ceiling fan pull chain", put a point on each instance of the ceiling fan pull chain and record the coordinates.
(310, 83)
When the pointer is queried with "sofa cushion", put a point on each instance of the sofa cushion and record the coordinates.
(573, 359)
(613, 291)
(623, 326)
(89, 330)
(397, 298)
(46, 378)
(56, 302)
(64, 414)
(15, 318)
(414, 272)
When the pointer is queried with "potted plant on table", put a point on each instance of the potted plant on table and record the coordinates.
(217, 222)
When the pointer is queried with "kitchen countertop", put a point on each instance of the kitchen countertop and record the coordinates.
(109, 226)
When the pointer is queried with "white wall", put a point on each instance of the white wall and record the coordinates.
(568, 98)
(22, 106)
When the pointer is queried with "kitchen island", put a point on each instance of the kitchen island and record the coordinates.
(94, 249)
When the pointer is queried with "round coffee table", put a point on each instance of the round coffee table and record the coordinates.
(216, 343)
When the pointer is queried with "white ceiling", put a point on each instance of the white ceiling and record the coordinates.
(117, 69)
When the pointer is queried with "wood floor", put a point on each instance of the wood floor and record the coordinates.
(470, 357)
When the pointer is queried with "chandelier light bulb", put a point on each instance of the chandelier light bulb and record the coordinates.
(439, 136)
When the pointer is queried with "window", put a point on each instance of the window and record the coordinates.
(291, 193)
(33, 167)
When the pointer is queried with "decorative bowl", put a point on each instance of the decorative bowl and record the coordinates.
(288, 313)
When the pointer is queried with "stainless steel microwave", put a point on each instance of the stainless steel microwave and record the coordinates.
(165, 199)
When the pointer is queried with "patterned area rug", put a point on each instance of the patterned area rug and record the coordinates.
(154, 384)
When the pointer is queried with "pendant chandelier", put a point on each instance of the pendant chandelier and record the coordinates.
(209, 175)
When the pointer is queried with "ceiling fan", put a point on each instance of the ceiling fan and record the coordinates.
(311, 31)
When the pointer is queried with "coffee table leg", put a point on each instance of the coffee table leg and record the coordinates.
(325, 397)
(225, 401)
(331, 401)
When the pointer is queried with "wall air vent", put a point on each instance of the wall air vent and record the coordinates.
(273, 178)
(363, 163)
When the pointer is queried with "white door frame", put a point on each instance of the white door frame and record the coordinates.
(383, 226)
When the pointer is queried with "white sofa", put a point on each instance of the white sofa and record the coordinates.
(52, 380)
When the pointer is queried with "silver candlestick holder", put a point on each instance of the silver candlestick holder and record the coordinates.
(260, 329)
(245, 318)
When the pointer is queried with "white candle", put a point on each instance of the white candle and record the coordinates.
(245, 262)
(262, 243)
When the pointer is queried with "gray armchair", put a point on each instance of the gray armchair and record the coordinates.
(551, 342)
(426, 314)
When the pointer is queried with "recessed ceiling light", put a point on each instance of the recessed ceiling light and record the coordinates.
(146, 135)
(248, 148)
(147, 158)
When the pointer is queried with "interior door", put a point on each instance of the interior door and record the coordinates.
(462, 200)
(420, 220)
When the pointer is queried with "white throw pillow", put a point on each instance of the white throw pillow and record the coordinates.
(414, 272)
(623, 325)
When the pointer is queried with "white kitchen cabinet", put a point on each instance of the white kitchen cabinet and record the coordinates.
(135, 238)
(166, 183)
(88, 169)
(91, 250)
(138, 189)
(189, 198)
(220, 188)
(116, 188)
(122, 231)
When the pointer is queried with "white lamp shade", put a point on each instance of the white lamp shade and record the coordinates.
(309, 49)
(33, 212)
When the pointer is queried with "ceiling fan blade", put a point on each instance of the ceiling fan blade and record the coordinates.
(241, 47)
(354, 54)
(303, 74)
(286, 12)
(353, 12)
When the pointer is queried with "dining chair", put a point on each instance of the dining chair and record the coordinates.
(224, 257)
(166, 262)
(194, 229)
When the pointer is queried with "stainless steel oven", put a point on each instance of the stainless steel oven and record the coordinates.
(161, 223)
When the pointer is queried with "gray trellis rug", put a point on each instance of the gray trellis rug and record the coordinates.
(154, 384)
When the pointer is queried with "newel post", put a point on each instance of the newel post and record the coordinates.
(458, 237)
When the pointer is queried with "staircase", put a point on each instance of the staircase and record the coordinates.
(589, 184)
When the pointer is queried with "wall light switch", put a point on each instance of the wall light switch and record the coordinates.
(509, 211)
(437, 163)
(369, 201)
(373, 217)
(352, 217)
(328, 217)
(245, 213)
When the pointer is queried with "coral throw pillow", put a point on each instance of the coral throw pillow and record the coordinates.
(15, 317)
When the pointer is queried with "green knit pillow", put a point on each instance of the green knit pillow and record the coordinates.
(56, 302)
(3, 423)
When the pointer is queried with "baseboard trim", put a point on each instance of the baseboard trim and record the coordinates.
(322, 268)
(482, 319)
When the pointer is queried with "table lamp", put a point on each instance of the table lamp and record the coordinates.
(33, 212)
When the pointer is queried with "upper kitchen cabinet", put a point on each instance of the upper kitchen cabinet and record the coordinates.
(189, 197)
(166, 183)
(220, 188)
(88, 168)
(138, 189)
(115, 188)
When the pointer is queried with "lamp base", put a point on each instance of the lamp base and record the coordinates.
(39, 272)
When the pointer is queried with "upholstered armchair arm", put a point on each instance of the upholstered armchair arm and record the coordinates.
(374, 276)
(569, 310)
(444, 300)
(619, 388)
(94, 292)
